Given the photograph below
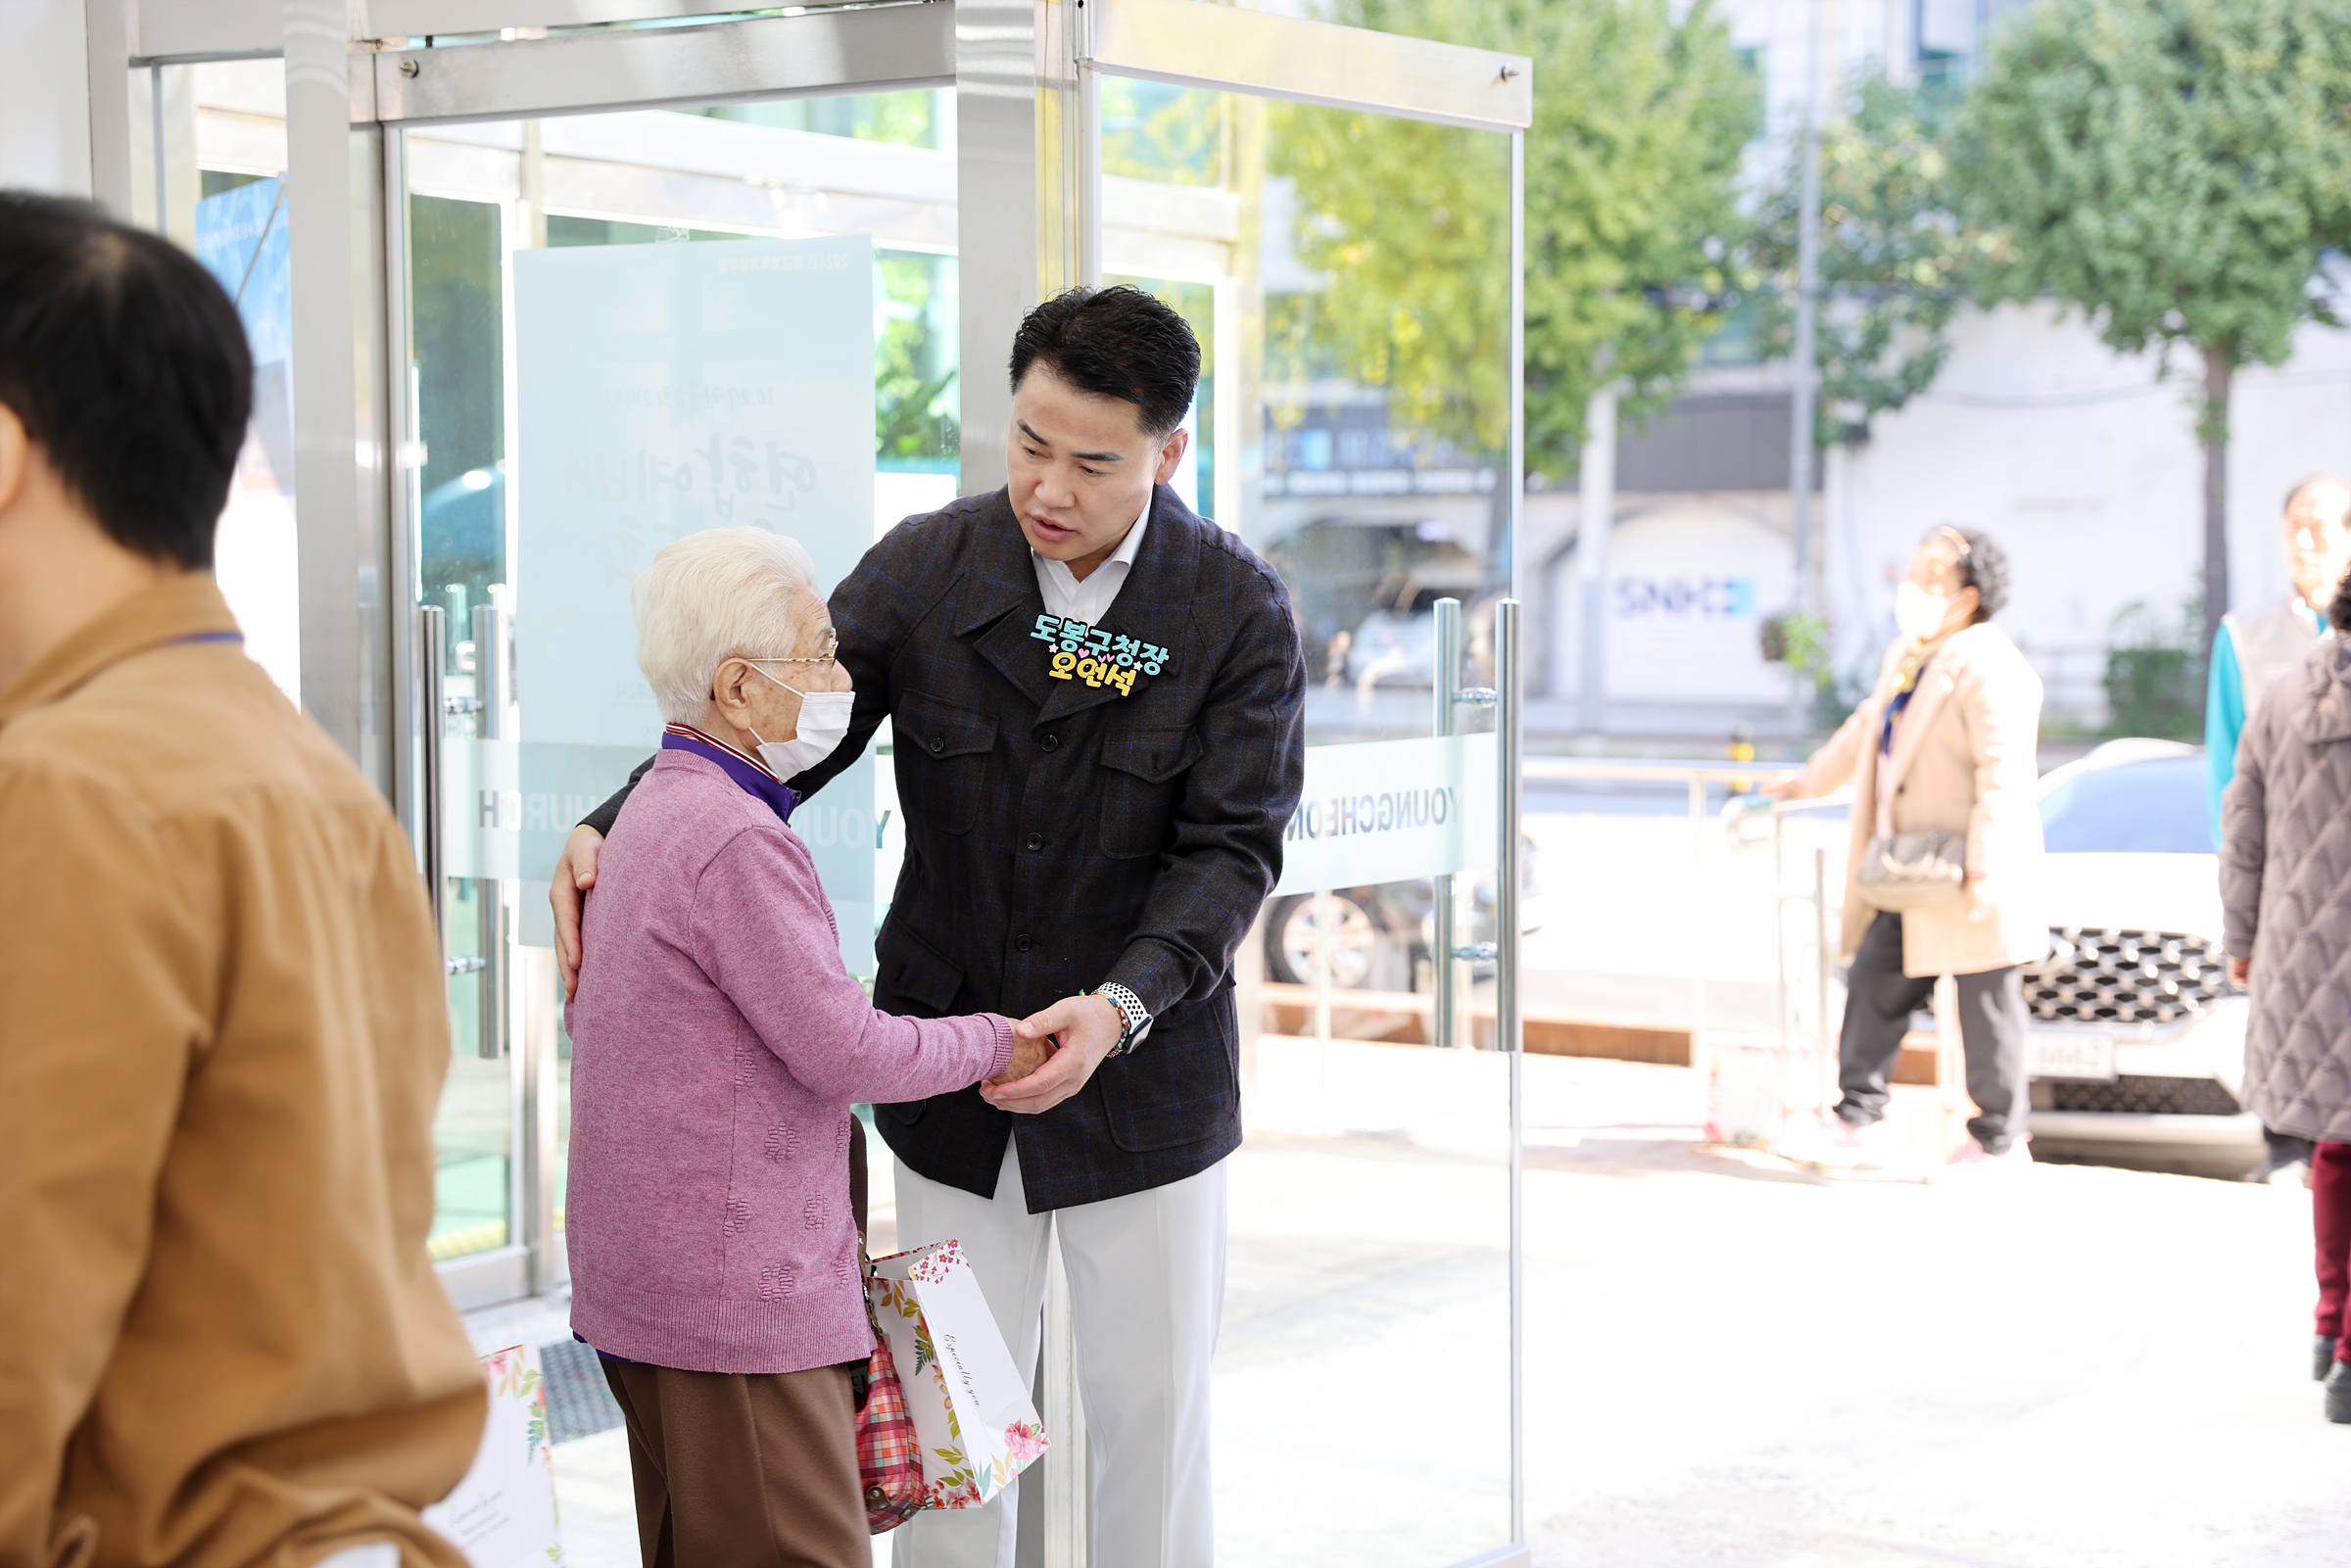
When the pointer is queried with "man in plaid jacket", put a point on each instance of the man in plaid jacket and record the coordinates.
(1094, 699)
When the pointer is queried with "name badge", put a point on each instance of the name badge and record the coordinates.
(1076, 651)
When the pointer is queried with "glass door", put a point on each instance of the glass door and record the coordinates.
(1350, 274)
(620, 327)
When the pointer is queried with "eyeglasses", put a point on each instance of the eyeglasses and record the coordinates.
(832, 647)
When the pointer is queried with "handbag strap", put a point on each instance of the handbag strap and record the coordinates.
(857, 1177)
(859, 1381)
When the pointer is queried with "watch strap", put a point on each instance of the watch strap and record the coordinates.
(1137, 1017)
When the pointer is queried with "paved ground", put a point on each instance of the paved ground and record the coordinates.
(1732, 1361)
(1753, 1365)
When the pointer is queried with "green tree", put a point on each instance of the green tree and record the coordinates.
(2155, 673)
(2175, 169)
(1896, 260)
(1631, 212)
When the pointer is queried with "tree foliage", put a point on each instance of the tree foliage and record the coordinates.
(1409, 224)
(1631, 213)
(2173, 168)
(1897, 260)
(2177, 171)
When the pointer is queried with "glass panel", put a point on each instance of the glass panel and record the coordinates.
(222, 194)
(635, 212)
(1347, 277)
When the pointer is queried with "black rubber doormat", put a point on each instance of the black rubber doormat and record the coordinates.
(579, 1403)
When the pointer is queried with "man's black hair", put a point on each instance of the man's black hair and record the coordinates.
(128, 368)
(2339, 612)
(1984, 567)
(1115, 343)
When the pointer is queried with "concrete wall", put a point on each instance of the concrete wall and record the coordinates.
(2086, 466)
(44, 97)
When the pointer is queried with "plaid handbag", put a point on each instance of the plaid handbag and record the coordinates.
(890, 1466)
(888, 1462)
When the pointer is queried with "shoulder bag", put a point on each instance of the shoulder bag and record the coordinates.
(1901, 871)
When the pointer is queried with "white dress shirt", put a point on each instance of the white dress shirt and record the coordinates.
(1088, 602)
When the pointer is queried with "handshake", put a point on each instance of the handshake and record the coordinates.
(1053, 1053)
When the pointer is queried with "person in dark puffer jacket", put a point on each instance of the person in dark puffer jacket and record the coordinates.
(2285, 879)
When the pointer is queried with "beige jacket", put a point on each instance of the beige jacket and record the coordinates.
(223, 1034)
(1964, 763)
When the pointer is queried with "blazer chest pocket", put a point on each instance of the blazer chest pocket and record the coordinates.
(942, 773)
(1141, 771)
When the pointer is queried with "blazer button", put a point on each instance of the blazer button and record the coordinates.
(1036, 842)
(938, 744)
(1049, 742)
(1019, 943)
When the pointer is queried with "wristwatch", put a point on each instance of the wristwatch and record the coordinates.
(1131, 1008)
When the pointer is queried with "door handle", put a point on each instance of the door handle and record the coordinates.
(431, 632)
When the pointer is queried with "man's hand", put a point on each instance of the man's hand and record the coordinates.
(575, 873)
(2241, 973)
(1083, 1029)
(1026, 1057)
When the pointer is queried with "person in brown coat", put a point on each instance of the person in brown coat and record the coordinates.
(1946, 742)
(223, 1033)
(2286, 890)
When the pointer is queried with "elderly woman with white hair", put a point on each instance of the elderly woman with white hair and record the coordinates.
(718, 1044)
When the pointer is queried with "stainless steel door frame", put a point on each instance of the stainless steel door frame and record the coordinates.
(357, 500)
(1196, 43)
(882, 48)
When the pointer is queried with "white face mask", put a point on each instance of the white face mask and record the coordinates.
(824, 721)
(1917, 612)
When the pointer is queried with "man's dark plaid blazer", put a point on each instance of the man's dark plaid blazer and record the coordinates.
(1059, 835)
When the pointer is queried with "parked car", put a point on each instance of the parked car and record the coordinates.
(2136, 1037)
(1382, 935)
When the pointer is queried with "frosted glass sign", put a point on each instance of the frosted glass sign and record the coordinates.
(1388, 811)
(666, 388)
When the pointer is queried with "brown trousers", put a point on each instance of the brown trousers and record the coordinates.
(743, 1469)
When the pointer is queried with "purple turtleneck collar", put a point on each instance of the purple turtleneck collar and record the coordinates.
(752, 776)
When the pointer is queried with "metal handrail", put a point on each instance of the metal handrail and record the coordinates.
(1697, 775)
(1817, 896)
(1664, 772)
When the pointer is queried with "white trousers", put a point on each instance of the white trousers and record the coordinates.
(1146, 1294)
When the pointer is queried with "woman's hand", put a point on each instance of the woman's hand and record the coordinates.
(2241, 973)
(1026, 1057)
(1976, 898)
(575, 873)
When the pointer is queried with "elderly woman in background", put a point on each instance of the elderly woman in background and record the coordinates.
(2285, 884)
(1947, 742)
(718, 1044)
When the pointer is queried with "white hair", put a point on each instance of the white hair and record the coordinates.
(712, 597)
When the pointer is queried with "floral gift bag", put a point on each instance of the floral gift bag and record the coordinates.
(503, 1514)
(971, 1409)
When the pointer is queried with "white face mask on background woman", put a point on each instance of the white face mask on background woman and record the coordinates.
(1918, 613)
(824, 719)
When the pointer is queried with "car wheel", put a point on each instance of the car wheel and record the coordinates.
(1364, 955)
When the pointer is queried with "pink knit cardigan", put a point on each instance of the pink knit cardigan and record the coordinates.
(717, 1046)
